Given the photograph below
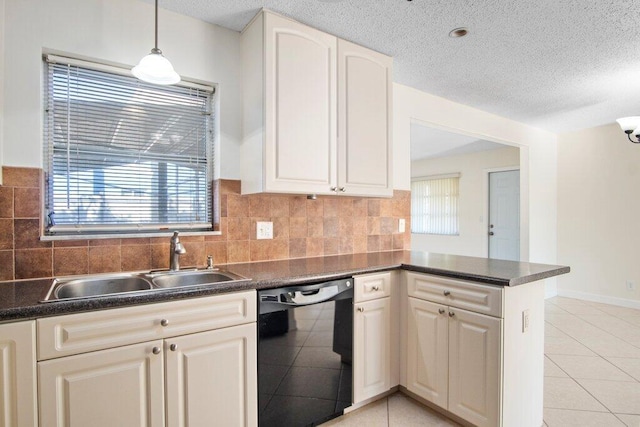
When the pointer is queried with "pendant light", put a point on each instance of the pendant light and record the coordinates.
(155, 68)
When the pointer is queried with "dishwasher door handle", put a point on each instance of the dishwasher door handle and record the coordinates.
(305, 295)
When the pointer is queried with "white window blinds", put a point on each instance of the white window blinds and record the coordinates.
(124, 155)
(434, 205)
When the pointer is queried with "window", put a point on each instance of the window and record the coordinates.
(434, 205)
(122, 155)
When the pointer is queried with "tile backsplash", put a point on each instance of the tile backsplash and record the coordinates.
(330, 225)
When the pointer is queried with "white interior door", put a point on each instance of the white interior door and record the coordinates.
(504, 215)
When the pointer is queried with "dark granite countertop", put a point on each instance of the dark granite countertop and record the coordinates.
(21, 300)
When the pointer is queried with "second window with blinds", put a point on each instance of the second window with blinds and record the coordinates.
(123, 156)
(434, 205)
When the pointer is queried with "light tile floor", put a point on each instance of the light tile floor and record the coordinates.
(592, 373)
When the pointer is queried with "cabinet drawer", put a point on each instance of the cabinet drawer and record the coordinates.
(372, 286)
(485, 299)
(83, 332)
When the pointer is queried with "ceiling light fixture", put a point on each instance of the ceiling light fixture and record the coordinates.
(155, 68)
(458, 32)
(631, 126)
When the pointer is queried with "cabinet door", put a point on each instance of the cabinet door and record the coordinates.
(371, 348)
(18, 375)
(364, 132)
(300, 110)
(427, 351)
(121, 387)
(212, 378)
(474, 367)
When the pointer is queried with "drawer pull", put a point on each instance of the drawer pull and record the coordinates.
(441, 310)
(447, 293)
(360, 309)
(451, 314)
(156, 350)
(173, 347)
(164, 322)
(375, 288)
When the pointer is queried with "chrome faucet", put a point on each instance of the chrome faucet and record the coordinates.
(175, 251)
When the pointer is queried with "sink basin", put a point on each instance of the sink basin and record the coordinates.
(96, 286)
(193, 278)
(121, 283)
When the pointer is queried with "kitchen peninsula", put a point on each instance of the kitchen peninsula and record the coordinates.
(486, 317)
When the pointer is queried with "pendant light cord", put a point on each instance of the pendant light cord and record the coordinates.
(156, 46)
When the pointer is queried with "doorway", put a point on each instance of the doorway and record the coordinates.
(504, 215)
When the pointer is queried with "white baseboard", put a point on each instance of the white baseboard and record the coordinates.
(622, 302)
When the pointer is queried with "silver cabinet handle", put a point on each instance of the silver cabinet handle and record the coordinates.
(342, 189)
(155, 350)
(334, 189)
(360, 309)
(451, 314)
(164, 322)
(441, 310)
(491, 233)
(375, 288)
(173, 347)
(447, 293)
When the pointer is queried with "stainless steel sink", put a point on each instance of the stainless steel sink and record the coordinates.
(193, 278)
(91, 286)
(124, 283)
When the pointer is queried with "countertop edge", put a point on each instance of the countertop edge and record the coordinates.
(30, 308)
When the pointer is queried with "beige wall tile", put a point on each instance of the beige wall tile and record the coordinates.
(70, 261)
(6, 265)
(21, 177)
(33, 263)
(26, 202)
(6, 202)
(104, 259)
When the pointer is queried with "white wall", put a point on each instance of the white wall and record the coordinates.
(599, 215)
(472, 206)
(538, 173)
(113, 31)
(2, 73)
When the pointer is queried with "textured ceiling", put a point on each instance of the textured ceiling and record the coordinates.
(559, 65)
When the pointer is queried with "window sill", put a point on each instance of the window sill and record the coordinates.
(167, 233)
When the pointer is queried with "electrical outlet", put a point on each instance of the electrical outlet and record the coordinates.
(525, 321)
(631, 285)
(401, 225)
(264, 230)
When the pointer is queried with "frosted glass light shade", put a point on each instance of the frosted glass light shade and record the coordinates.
(155, 68)
(629, 123)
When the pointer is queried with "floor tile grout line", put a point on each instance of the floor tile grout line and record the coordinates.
(597, 379)
(610, 333)
(581, 386)
(585, 345)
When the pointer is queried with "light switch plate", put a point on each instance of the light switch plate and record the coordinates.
(401, 225)
(264, 230)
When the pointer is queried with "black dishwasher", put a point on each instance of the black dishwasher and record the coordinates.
(305, 347)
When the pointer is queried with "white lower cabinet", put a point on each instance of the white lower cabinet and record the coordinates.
(212, 378)
(454, 358)
(371, 336)
(186, 377)
(372, 339)
(123, 387)
(18, 375)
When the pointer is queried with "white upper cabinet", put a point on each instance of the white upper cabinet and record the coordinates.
(364, 121)
(299, 84)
